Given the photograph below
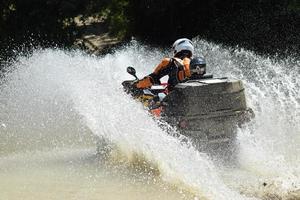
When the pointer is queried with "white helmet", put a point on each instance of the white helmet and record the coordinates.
(182, 45)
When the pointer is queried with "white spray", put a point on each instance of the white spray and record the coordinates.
(52, 89)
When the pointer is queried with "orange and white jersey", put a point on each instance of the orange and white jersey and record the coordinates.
(177, 69)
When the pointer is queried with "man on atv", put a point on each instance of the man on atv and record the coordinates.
(177, 67)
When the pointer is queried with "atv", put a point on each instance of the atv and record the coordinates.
(207, 110)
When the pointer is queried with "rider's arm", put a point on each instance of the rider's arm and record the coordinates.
(154, 78)
(186, 67)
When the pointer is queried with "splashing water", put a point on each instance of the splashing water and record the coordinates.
(61, 98)
(269, 146)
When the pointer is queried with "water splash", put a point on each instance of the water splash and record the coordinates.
(269, 146)
(54, 92)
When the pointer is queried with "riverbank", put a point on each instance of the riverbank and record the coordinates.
(92, 36)
(95, 37)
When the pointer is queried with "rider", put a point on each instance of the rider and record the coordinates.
(177, 67)
(197, 68)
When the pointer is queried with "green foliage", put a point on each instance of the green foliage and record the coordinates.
(264, 25)
(54, 19)
(117, 17)
(294, 5)
(45, 18)
(268, 26)
(44, 22)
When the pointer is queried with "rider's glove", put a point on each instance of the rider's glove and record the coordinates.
(144, 83)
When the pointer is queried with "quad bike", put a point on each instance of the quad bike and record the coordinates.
(208, 110)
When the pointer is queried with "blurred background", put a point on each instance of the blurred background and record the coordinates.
(265, 26)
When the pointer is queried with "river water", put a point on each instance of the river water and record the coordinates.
(56, 104)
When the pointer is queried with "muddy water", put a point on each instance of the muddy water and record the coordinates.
(78, 174)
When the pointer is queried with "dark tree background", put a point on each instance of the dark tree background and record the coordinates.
(265, 26)
(38, 22)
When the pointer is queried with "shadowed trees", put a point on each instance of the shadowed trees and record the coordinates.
(267, 26)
